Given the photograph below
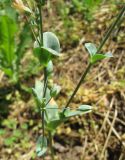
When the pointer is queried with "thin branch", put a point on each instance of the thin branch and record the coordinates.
(111, 28)
(78, 85)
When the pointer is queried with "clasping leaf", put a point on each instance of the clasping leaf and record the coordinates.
(50, 48)
(94, 56)
(38, 92)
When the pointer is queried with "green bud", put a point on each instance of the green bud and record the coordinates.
(55, 90)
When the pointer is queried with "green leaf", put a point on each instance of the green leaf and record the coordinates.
(50, 41)
(91, 48)
(41, 146)
(9, 141)
(8, 29)
(71, 113)
(98, 57)
(38, 91)
(49, 68)
(83, 109)
(2, 132)
(25, 39)
(52, 125)
(52, 117)
(55, 90)
(55, 120)
(51, 47)
(52, 112)
(50, 51)
(43, 55)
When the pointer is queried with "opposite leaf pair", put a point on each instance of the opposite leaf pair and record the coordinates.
(53, 115)
(51, 108)
(94, 55)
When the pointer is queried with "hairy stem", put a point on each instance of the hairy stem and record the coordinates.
(111, 28)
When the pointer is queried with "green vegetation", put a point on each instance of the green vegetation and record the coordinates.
(55, 105)
(12, 43)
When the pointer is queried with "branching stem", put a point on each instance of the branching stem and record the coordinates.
(111, 28)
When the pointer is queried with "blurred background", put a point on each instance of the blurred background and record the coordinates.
(90, 137)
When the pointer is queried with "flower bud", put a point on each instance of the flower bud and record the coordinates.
(18, 4)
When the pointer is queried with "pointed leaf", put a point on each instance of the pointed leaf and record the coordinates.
(38, 91)
(98, 57)
(55, 90)
(79, 111)
(8, 29)
(41, 146)
(91, 48)
(70, 113)
(85, 108)
(108, 55)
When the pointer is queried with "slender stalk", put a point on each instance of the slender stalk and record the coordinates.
(45, 77)
(51, 145)
(48, 101)
(78, 85)
(111, 28)
(41, 43)
(43, 127)
(41, 34)
(45, 82)
(41, 24)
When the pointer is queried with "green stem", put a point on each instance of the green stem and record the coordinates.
(51, 145)
(45, 73)
(41, 42)
(45, 82)
(78, 85)
(111, 28)
(41, 33)
(98, 50)
(41, 24)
